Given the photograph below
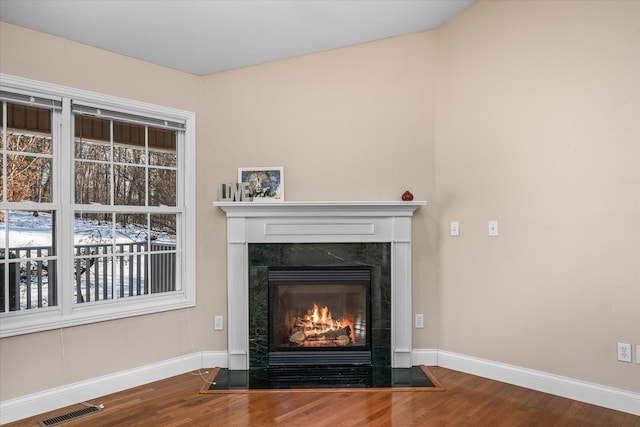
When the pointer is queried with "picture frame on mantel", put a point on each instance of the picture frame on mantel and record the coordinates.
(266, 184)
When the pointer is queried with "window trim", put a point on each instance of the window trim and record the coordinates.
(66, 313)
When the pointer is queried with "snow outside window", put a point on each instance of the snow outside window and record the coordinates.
(96, 207)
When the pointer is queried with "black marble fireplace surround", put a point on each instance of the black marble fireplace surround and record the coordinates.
(377, 256)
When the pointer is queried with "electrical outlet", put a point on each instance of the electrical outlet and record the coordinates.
(219, 323)
(638, 354)
(419, 320)
(624, 352)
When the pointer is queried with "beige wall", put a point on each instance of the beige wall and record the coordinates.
(522, 112)
(538, 127)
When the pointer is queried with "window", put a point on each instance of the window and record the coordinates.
(96, 207)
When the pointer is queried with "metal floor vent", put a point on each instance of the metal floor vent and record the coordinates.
(70, 416)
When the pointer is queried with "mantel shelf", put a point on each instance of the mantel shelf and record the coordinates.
(334, 208)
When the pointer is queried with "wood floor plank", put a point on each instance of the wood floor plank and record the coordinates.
(467, 401)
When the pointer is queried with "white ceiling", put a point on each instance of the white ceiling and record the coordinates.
(207, 36)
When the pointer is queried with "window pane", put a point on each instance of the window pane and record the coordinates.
(123, 154)
(163, 158)
(29, 118)
(128, 134)
(29, 129)
(91, 130)
(28, 229)
(92, 150)
(131, 268)
(162, 187)
(93, 183)
(162, 139)
(163, 228)
(92, 227)
(129, 274)
(29, 178)
(163, 261)
(29, 167)
(93, 251)
(93, 272)
(32, 275)
(29, 143)
(132, 225)
(129, 185)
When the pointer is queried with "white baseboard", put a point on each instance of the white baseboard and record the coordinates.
(595, 394)
(48, 400)
(424, 357)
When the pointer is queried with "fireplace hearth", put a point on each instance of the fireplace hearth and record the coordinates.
(319, 316)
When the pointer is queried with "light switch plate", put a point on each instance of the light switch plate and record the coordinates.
(419, 321)
(493, 228)
(455, 228)
(219, 323)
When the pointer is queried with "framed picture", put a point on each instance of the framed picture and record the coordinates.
(266, 184)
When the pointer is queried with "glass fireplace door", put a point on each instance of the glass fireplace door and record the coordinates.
(319, 315)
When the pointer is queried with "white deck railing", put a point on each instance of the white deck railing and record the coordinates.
(100, 274)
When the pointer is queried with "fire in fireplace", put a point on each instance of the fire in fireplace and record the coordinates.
(319, 316)
(316, 328)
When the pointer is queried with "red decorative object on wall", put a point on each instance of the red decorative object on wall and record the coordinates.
(407, 196)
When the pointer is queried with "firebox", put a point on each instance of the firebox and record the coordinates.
(319, 316)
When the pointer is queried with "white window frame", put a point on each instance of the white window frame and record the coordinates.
(67, 313)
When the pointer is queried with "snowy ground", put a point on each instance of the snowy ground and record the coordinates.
(27, 229)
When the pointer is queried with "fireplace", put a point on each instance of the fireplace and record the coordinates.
(278, 230)
(319, 316)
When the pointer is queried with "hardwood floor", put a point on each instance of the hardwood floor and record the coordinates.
(467, 401)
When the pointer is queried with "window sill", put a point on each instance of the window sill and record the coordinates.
(39, 320)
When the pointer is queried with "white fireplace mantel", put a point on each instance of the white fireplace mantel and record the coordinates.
(318, 222)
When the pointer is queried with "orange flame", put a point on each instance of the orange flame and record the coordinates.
(320, 320)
